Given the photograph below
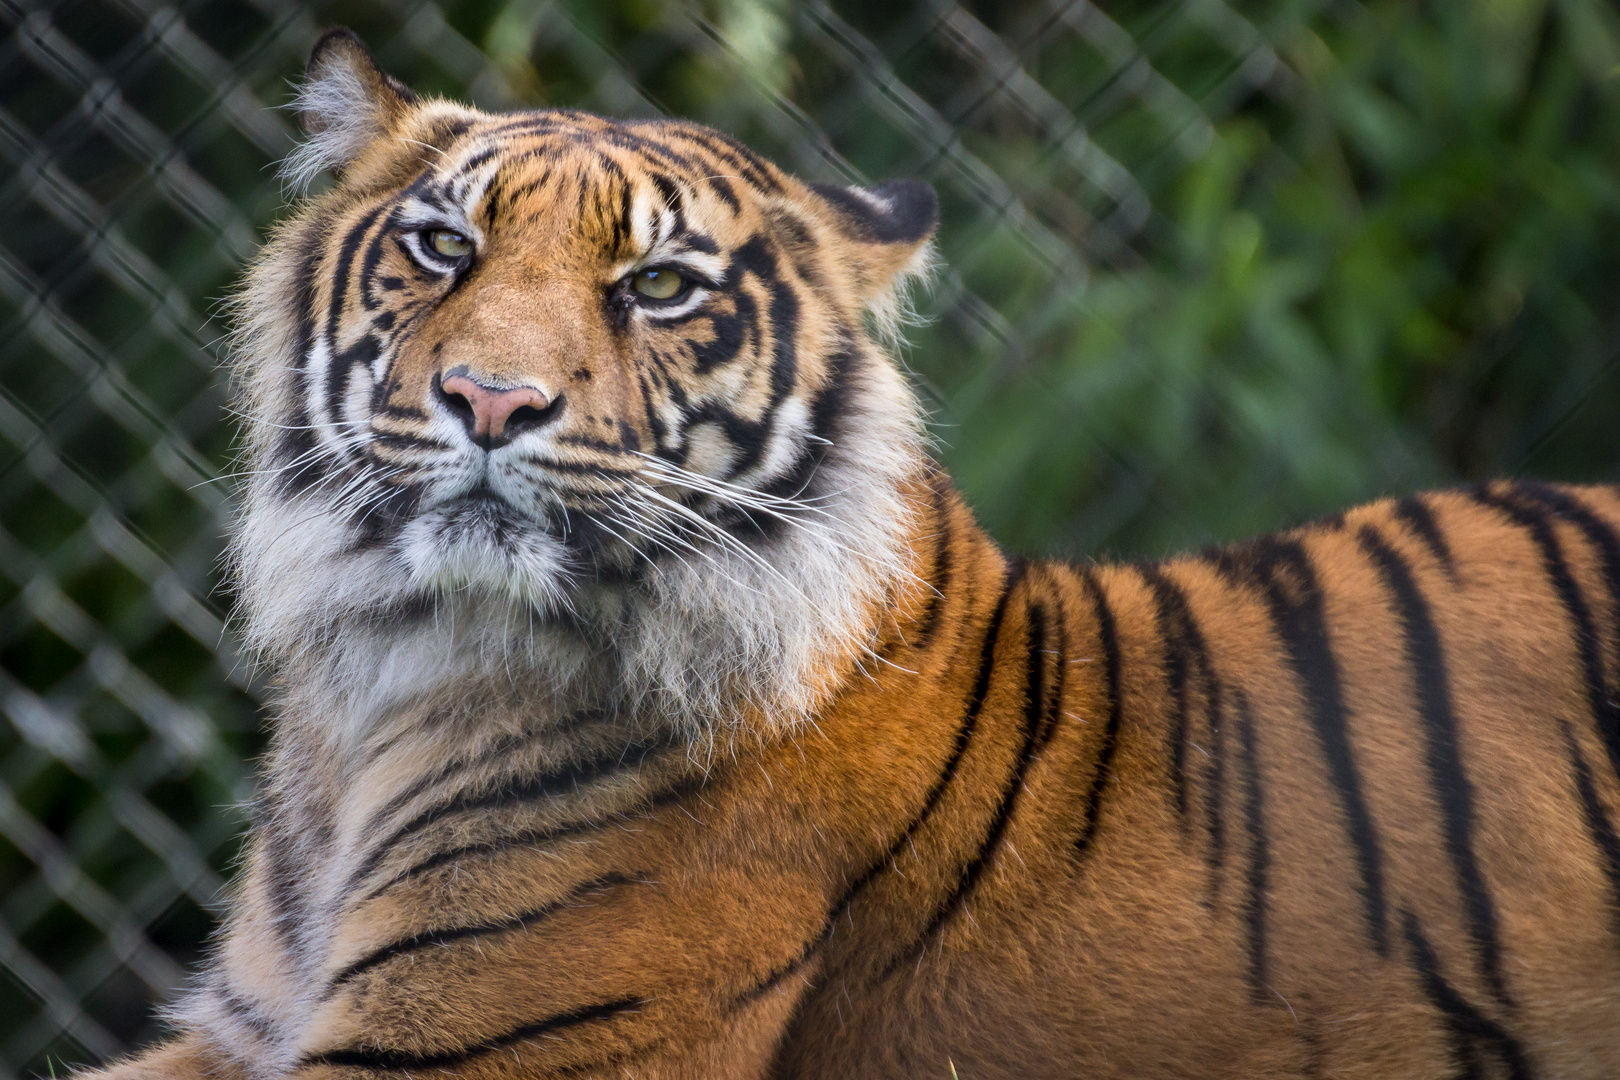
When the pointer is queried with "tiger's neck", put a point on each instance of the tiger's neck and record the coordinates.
(354, 849)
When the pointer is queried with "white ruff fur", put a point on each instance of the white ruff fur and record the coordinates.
(711, 639)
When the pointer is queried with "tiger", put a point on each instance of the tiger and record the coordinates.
(648, 702)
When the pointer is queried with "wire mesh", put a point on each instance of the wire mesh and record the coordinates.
(139, 139)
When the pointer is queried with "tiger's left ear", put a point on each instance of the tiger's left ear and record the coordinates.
(345, 103)
(888, 226)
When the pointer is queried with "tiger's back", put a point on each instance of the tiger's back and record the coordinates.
(1335, 802)
(650, 703)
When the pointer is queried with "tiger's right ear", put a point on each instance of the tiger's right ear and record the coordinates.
(345, 103)
(888, 227)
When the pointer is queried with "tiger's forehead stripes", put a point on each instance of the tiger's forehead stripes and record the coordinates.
(664, 153)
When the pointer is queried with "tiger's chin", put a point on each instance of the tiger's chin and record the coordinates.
(483, 545)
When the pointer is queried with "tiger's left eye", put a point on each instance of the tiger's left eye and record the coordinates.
(450, 244)
(658, 283)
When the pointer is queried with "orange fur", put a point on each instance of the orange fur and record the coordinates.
(1337, 802)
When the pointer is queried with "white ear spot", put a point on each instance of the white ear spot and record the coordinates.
(902, 212)
(345, 103)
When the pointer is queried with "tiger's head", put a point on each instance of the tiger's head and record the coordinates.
(614, 383)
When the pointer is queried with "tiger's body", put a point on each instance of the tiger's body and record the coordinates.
(829, 786)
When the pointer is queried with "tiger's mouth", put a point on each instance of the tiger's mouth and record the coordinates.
(522, 536)
(481, 508)
(479, 539)
(531, 524)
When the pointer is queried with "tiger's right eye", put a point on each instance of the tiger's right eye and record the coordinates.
(658, 283)
(450, 244)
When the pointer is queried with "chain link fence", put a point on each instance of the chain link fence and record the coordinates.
(1138, 340)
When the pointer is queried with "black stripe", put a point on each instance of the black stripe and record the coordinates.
(1060, 672)
(400, 440)
(284, 865)
(928, 625)
(519, 921)
(494, 195)
(1414, 512)
(1603, 537)
(496, 749)
(783, 313)
(828, 418)
(1283, 572)
(1108, 636)
(1035, 708)
(362, 354)
(964, 736)
(369, 301)
(244, 1010)
(748, 164)
(1186, 651)
(474, 162)
(729, 331)
(579, 468)
(675, 204)
(1214, 811)
(1468, 1028)
(1453, 791)
(1597, 819)
(564, 781)
(405, 412)
(532, 838)
(1600, 534)
(722, 190)
(388, 1060)
(339, 362)
(1254, 823)
(623, 227)
(295, 447)
(781, 974)
(1604, 711)
(514, 792)
(1176, 661)
(1171, 608)
(345, 260)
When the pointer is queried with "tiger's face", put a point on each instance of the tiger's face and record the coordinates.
(547, 355)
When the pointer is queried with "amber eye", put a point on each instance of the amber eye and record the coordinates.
(657, 283)
(450, 244)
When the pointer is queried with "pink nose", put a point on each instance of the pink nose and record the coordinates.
(489, 411)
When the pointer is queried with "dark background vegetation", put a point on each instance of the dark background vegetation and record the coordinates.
(1209, 268)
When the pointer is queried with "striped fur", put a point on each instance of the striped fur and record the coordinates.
(832, 787)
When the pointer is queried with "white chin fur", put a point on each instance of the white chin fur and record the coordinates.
(477, 546)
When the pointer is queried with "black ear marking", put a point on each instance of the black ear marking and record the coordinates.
(891, 212)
